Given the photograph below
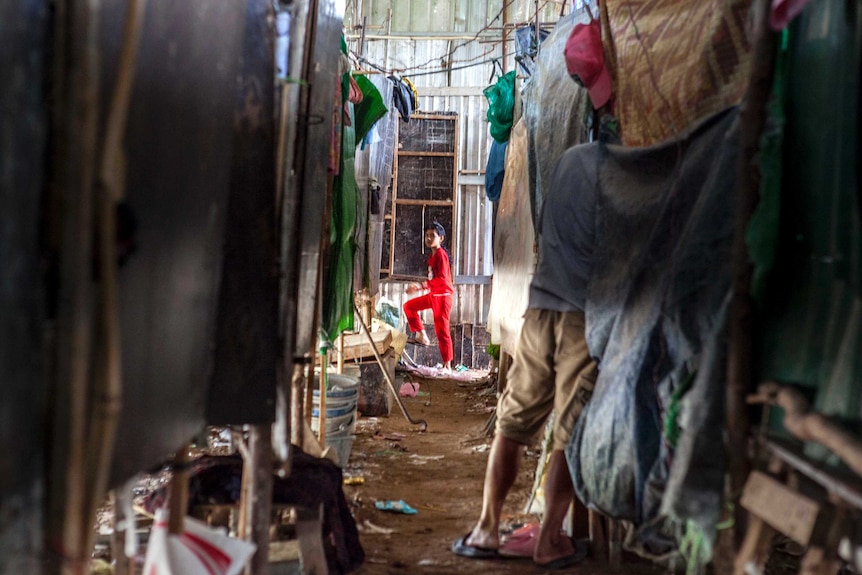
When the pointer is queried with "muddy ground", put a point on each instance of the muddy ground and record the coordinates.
(439, 473)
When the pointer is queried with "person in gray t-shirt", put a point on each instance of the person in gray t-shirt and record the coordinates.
(552, 368)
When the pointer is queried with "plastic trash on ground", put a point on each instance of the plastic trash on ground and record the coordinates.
(408, 389)
(395, 507)
(199, 550)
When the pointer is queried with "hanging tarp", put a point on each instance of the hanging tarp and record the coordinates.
(338, 284)
(514, 257)
(554, 108)
(811, 320)
(23, 144)
(380, 144)
(655, 315)
(674, 63)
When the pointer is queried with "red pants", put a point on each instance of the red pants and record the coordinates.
(441, 306)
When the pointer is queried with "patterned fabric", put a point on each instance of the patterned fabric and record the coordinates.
(674, 63)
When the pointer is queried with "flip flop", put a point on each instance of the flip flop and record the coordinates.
(460, 547)
(419, 343)
(581, 549)
(521, 542)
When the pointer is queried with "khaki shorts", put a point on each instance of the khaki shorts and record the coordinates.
(552, 370)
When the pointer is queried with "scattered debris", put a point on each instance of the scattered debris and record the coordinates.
(408, 389)
(389, 436)
(395, 507)
(429, 508)
(481, 448)
(423, 459)
(372, 528)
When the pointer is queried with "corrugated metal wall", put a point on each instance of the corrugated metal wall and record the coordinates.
(448, 50)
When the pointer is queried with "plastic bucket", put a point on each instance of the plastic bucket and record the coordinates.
(335, 411)
(342, 446)
(340, 425)
(340, 385)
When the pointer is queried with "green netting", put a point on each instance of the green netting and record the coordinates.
(501, 106)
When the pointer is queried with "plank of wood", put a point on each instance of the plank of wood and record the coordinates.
(357, 346)
(785, 510)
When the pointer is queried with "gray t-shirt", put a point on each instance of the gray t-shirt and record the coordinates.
(567, 231)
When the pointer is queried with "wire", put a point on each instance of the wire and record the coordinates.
(430, 72)
(419, 69)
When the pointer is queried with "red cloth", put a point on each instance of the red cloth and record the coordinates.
(438, 300)
(440, 306)
(439, 274)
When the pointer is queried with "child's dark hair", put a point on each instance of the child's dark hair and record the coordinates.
(437, 227)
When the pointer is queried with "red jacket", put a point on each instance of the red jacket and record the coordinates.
(439, 274)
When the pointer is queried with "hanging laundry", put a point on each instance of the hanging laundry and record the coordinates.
(495, 170)
(355, 94)
(402, 97)
(501, 106)
(369, 109)
(415, 93)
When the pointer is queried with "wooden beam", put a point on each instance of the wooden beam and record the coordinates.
(741, 327)
(257, 499)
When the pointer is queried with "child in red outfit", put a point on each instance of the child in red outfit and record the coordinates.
(439, 297)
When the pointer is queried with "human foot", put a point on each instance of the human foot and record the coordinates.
(465, 547)
(421, 338)
(562, 558)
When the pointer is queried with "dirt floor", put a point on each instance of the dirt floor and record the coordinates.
(439, 473)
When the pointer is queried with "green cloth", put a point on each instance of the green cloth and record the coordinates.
(369, 110)
(501, 106)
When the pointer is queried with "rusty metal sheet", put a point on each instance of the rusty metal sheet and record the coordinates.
(23, 124)
(322, 106)
(243, 383)
(178, 145)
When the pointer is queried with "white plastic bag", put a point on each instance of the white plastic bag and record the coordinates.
(199, 550)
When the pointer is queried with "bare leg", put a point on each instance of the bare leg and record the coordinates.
(551, 543)
(422, 337)
(503, 463)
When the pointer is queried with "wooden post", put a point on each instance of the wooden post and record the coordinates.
(256, 503)
(741, 320)
(321, 407)
(598, 536)
(340, 365)
(118, 539)
(179, 491)
(615, 542)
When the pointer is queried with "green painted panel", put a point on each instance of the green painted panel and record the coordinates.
(811, 321)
